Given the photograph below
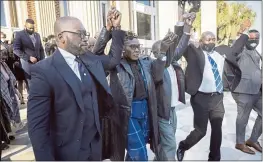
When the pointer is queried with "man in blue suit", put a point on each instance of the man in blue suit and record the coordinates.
(28, 47)
(69, 93)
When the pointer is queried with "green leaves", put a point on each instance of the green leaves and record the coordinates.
(229, 18)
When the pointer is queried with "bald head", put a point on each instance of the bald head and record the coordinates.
(70, 35)
(207, 41)
(207, 34)
(66, 23)
(91, 43)
(97, 35)
(156, 48)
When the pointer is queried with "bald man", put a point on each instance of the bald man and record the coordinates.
(91, 43)
(203, 79)
(69, 93)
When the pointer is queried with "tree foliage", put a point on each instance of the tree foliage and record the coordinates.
(229, 18)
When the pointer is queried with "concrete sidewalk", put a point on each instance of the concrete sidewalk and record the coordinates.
(20, 149)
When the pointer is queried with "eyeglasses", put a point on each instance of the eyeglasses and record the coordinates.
(82, 35)
(133, 46)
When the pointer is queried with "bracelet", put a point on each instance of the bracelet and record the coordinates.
(117, 28)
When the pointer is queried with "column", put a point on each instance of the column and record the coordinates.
(45, 20)
(208, 16)
(167, 16)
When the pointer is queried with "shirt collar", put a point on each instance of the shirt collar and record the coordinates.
(70, 58)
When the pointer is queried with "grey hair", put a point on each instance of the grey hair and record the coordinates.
(206, 33)
(156, 47)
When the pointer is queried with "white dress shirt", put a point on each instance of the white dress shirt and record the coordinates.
(174, 86)
(72, 63)
(208, 84)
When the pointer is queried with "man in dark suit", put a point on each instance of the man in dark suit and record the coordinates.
(28, 47)
(203, 76)
(69, 93)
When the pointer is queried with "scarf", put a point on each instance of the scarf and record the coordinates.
(139, 90)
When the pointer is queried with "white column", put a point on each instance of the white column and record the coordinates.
(45, 20)
(168, 16)
(208, 16)
(7, 14)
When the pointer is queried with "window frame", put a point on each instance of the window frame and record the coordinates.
(101, 12)
(149, 10)
(150, 24)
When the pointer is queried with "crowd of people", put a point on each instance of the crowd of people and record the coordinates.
(85, 105)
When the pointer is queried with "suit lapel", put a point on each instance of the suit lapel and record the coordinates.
(68, 75)
(96, 69)
(28, 38)
(126, 66)
(201, 57)
(254, 60)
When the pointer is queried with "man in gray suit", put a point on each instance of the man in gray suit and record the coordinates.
(248, 94)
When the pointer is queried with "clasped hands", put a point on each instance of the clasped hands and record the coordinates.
(113, 19)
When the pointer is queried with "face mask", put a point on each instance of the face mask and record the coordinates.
(252, 44)
(30, 32)
(208, 47)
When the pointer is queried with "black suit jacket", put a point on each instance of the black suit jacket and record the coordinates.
(196, 61)
(24, 48)
(55, 106)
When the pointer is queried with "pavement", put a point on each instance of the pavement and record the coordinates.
(21, 149)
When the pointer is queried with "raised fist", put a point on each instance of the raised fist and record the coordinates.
(189, 18)
(245, 26)
(167, 41)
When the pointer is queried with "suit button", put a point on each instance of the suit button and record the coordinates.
(81, 121)
(78, 140)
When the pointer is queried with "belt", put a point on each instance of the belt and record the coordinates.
(210, 94)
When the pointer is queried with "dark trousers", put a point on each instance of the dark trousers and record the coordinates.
(245, 103)
(206, 106)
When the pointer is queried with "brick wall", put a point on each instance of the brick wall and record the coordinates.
(31, 11)
(57, 8)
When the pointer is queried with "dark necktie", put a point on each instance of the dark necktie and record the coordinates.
(84, 74)
(218, 80)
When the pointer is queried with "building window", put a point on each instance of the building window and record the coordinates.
(153, 3)
(144, 26)
(13, 14)
(147, 3)
(103, 14)
(65, 6)
(3, 19)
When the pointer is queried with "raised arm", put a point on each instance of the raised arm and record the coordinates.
(102, 40)
(38, 115)
(111, 60)
(180, 48)
(160, 50)
(241, 41)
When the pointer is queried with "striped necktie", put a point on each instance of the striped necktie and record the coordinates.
(218, 80)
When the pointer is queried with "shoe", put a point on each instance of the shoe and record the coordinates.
(180, 153)
(244, 148)
(256, 145)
